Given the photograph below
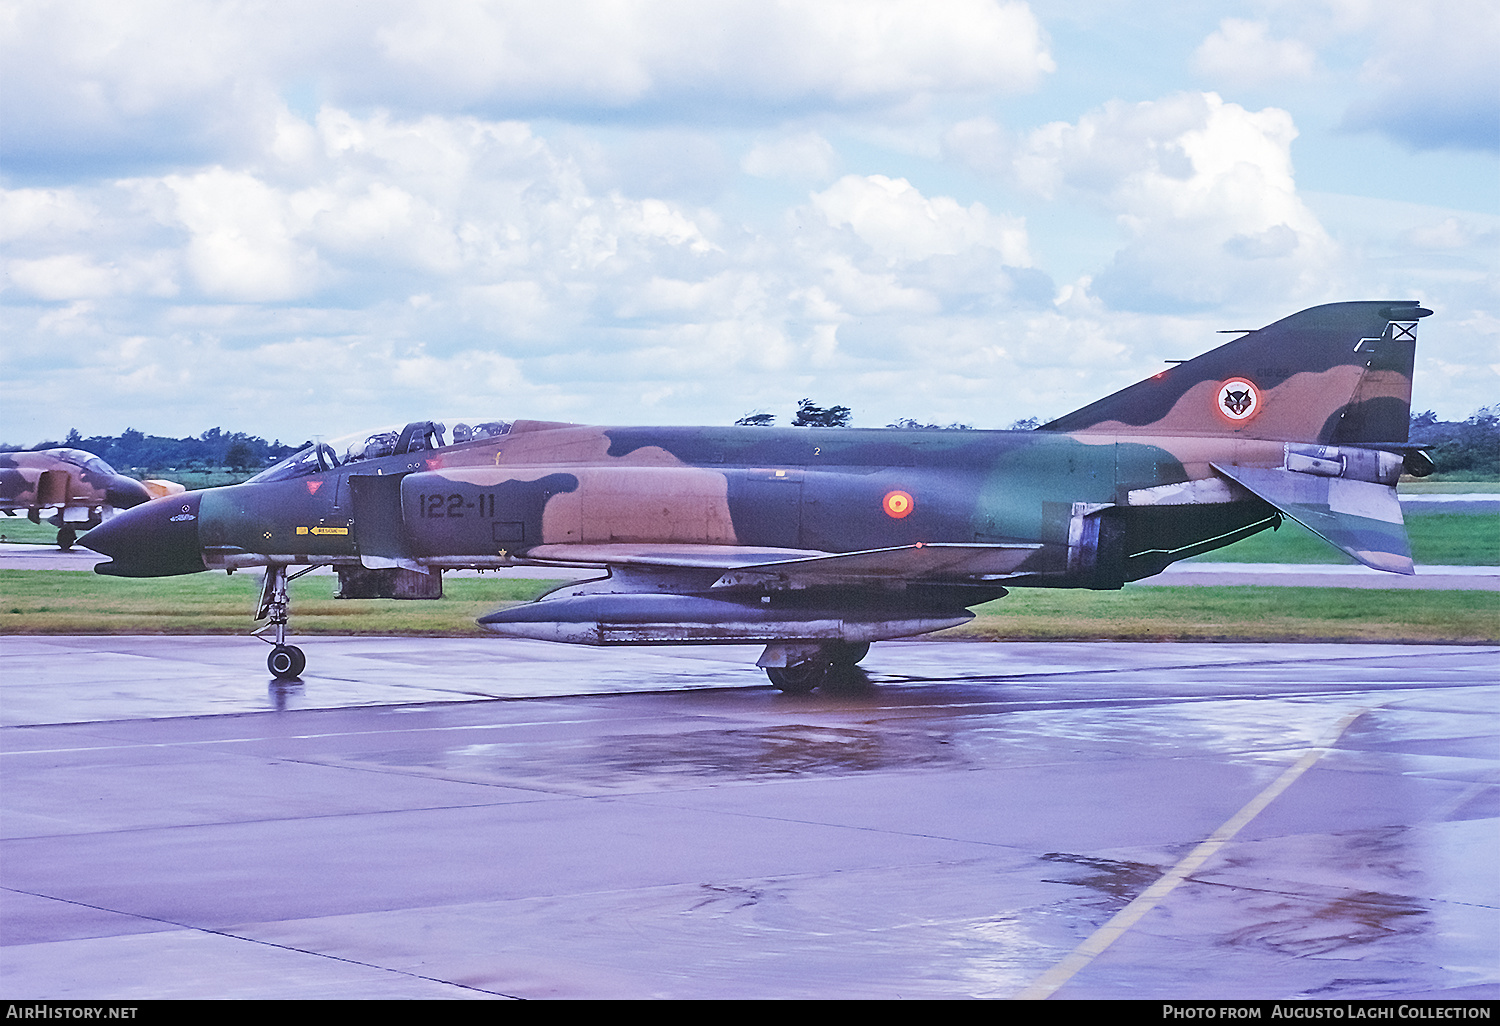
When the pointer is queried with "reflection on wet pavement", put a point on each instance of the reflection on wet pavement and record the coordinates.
(1121, 880)
(633, 824)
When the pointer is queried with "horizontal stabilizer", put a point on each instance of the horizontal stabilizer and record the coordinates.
(1362, 518)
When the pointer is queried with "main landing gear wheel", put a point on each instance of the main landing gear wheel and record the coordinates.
(66, 537)
(805, 667)
(845, 654)
(799, 678)
(286, 662)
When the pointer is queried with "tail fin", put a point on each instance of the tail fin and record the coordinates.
(1335, 374)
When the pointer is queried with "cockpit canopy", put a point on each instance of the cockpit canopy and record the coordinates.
(418, 436)
(75, 457)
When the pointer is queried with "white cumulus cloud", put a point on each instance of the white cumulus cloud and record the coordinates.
(806, 156)
(158, 81)
(1205, 190)
(1240, 53)
(901, 224)
(1433, 78)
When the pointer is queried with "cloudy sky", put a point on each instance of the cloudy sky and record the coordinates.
(295, 219)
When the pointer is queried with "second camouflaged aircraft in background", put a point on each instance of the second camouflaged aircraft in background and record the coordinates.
(816, 542)
(75, 490)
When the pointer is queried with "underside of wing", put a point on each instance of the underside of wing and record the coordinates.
(665, 594)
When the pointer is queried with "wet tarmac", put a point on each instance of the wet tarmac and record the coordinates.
(491, 818)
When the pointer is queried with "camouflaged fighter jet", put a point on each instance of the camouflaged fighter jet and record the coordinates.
(816, 542)
(76, 489)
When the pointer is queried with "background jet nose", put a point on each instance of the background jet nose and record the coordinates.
(124, 492)
(155, 539)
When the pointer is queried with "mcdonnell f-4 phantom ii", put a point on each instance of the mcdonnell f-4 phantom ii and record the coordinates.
(75, 489)
(817, 542)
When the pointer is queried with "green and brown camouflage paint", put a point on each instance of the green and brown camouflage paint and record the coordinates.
(1304, 418)
(76, 489)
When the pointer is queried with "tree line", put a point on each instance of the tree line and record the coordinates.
(136, 451)
(1469, 447)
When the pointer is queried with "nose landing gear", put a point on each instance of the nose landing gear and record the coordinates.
(286, 662)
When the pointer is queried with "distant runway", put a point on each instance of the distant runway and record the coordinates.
(1327, 575)
(493, 818)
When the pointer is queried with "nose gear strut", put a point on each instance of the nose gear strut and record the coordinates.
(286, 662)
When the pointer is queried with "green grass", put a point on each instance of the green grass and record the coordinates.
(68, 602)
(1239, 614)
(1446, 484)
(1461, 480)
(193, 480)
(19, 529)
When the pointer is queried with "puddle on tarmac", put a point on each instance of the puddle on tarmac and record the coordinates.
(790, 750)
(1357, 920)
(1120, 880)
(779, 751)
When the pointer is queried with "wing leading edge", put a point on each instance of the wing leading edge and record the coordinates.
(747, 565)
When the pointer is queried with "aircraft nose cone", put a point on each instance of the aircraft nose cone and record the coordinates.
(124, 492)
(154, 539)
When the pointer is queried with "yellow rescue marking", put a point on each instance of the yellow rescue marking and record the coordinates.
(330, 530)
(1048, 983)
(301, 530)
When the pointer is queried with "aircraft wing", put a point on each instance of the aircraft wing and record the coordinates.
(698, 557)
(661, 594)
(749, 565)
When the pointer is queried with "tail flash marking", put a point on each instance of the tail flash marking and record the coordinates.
(1238, 400)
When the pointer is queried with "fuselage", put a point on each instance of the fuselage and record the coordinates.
(542, 489)
(820, 541)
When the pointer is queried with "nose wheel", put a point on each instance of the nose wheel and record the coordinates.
(286, 662)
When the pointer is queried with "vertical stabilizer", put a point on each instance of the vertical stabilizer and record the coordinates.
(1335, 374)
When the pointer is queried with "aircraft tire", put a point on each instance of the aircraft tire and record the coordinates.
(798, 679)
(66, 537)
(847, 653)
(286, 662)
